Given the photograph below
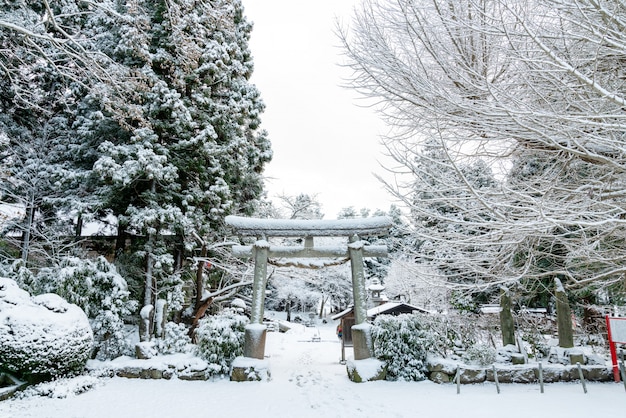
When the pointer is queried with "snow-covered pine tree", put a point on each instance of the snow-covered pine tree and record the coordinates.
(197, 152)
(36, 116)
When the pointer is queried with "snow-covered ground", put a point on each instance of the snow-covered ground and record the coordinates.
(308, 381)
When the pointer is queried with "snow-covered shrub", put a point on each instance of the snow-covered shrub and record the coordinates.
(110, 338)
(480, 355)
(95, 286)
(451, 333)
(463, 302)
(17, 270)
(41, 337)
(402, 342)
(176, 339)
(61, 388)
(220, 339)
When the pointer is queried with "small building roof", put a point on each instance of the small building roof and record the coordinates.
(387, 308)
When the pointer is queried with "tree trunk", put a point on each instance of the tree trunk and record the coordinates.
(322, 307)
(120, 241)
(79, 226)
(200, 277)
(26, 233)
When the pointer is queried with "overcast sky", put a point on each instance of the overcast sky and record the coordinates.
(324, 141)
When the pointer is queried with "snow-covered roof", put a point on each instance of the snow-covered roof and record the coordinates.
(391, 306)
(343, 313)
(377, 225)
(383, 309)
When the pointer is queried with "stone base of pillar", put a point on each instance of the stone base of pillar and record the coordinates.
(247, 369)
(366, 370)
(254, 343)
(362, 341)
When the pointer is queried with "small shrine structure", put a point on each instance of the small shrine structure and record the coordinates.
(355, 249)
(380, 305)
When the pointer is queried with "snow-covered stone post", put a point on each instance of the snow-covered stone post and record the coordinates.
(360, 331)
(563, 316)
(507, 325)
(254, 345)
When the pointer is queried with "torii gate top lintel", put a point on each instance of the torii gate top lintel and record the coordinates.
(363, 227)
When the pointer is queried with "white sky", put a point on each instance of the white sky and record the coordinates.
(324, 141)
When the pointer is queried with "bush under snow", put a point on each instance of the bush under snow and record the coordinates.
(220, 339)
(41, 337)
(402, 342)
(95, 286)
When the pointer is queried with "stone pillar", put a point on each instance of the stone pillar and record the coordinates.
(160, 318)
(360, 331)
(144, 323)
(563, 316)
(506, 318)
(254, 345)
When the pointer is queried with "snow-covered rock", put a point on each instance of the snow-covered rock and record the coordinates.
(41, 337)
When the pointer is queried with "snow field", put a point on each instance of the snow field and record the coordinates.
(308, 381)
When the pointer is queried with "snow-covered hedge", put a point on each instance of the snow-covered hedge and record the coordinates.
(402, 342)
(220, 339)
(95, 286)
(175, 339)
(480, 355)
(41, 337)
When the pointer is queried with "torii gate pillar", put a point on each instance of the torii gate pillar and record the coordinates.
(356, 250)
(360, 331)
(254, 345)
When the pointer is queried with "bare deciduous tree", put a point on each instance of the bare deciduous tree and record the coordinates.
(532, 89)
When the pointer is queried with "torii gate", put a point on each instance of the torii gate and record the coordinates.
(355, 250)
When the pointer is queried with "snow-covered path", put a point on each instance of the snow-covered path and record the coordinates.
(308, 381)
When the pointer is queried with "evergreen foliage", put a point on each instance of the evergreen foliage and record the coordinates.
(135, 111)
(176, 339)
(220, 339)
(42, 336)
(403, 343)
(96, 287)
(480, 355)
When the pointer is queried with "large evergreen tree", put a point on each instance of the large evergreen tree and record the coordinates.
(196, 153)
(148, 109)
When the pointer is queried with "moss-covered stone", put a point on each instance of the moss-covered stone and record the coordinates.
(366, 370)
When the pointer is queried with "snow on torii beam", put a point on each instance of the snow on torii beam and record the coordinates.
(363, 227)
(354, 229)
(247, 251)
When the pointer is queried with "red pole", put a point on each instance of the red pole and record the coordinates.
(613, 351)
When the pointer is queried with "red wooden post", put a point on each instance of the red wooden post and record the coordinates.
(616, 376)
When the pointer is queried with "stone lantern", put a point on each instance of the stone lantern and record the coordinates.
(376, 289)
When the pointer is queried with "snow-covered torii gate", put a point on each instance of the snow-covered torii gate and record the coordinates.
(356, 249)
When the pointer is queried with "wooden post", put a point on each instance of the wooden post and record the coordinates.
(582, 377)
(540, 378)
(623, 371)
(495, 378)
